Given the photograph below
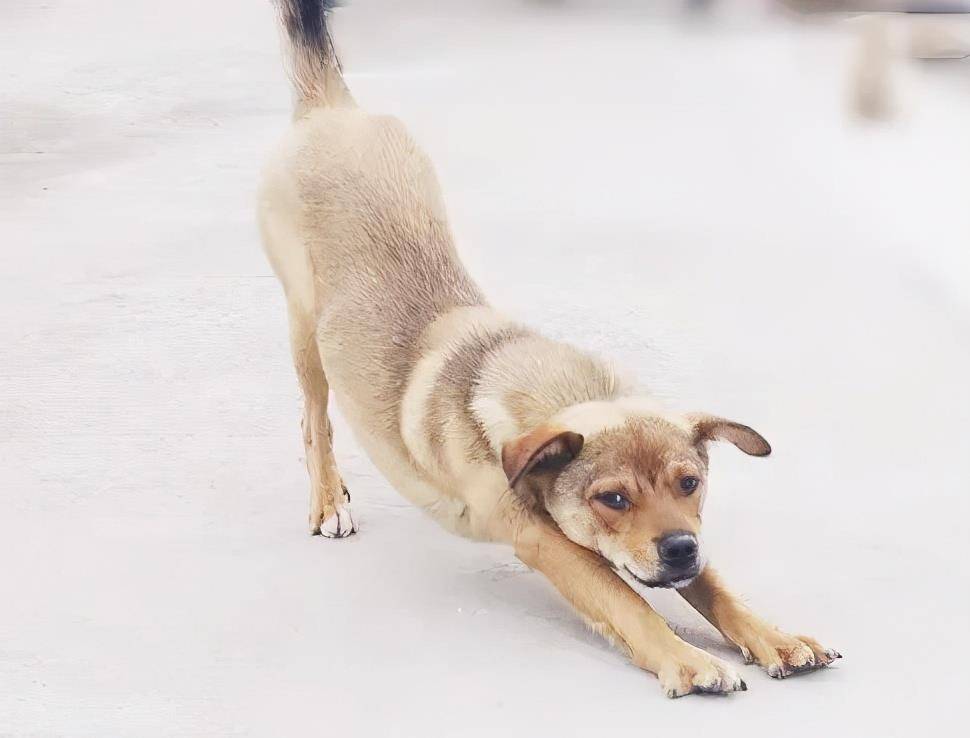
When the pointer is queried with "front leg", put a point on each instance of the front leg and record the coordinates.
(612, 609)
(759, 641)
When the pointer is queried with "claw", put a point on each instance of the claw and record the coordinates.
(339, 525)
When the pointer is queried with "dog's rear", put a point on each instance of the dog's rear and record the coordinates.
(354, 226)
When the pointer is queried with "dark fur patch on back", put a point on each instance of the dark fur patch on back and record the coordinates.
(456, 384)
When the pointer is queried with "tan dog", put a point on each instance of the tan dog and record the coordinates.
(498, 433)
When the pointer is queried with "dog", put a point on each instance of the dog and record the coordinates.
(497, 432)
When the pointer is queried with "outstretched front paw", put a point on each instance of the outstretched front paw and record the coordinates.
(694, 671)
(782, 655)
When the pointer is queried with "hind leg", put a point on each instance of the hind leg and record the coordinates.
(329, 500)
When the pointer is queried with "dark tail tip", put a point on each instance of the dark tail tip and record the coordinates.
(306, 22)
(312, 62)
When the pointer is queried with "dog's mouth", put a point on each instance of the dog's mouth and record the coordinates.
(675, 580)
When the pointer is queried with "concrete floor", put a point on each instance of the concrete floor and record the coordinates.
(689, 198)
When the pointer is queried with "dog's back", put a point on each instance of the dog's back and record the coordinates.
(354, 226)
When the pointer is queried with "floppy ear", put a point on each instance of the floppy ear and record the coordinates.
(712, 428)
(547, 447)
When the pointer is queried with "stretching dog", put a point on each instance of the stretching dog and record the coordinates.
(498, 433)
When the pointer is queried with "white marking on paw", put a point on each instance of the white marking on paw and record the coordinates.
(339, 525)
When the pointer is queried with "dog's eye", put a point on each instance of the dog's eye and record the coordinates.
(614, 501)
(689, 484)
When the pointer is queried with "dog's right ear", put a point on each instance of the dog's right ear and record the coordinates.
(546, 447)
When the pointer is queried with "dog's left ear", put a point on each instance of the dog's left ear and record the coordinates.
(547, 446)
(712, 428)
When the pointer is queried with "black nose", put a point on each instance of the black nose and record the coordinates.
(678, 549)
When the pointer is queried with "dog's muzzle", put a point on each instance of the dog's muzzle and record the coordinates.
(679, 555)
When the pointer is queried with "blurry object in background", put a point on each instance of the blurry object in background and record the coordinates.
(933, 37)
(699, 5)
(872, 84)
(918, 29)
(928, 31)
(879, 6)
(883, 36)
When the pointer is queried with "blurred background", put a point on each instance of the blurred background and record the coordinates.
(760, 208)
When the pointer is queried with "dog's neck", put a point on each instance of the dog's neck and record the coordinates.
(543, 382)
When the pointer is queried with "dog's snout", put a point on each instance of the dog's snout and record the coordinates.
(678, 549)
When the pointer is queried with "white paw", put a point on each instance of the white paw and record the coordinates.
(339, 525)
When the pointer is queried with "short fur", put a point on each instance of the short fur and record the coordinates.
(497, 432)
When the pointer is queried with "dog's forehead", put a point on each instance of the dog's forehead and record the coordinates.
(640, 444)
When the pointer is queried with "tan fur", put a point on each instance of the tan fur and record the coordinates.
(440, 389)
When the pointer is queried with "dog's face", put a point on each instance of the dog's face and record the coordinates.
(632, 493)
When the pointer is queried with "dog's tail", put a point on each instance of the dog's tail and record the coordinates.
(310, 57)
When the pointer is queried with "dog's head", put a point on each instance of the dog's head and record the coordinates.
(632, 491)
